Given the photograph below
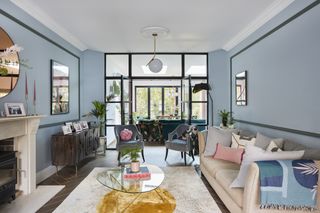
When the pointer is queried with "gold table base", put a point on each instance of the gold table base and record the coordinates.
(158, 200)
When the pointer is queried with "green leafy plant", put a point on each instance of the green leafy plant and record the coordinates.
(132, 153)
(224, 117)
(99, 111)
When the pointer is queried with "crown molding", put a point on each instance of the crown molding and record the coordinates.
(274, 9)
(37, 13)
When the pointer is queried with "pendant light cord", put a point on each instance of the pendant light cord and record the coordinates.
(154, 47)
(154, 44)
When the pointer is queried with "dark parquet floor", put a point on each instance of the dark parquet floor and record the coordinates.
(153, 155)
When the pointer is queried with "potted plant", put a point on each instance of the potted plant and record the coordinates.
(224, 117)
(134, 155)
(99, 111)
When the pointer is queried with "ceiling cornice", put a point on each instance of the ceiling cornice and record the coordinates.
(39, 15)
(273, 10)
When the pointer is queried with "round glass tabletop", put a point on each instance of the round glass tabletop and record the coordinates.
(114, 178)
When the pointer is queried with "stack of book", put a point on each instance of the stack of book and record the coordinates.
(143, 174)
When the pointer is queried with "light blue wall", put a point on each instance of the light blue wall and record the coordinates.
(92, 79)
(39, 51)
(283, 76)
(219, 81)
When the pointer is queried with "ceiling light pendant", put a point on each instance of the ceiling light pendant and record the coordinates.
(155, 65)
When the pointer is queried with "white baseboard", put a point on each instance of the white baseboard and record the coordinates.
(47, 172)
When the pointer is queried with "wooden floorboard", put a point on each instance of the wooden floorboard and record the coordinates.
(153, 155)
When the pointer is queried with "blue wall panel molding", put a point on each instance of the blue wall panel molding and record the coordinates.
(283, 76)
(27, 27)
(40, 45)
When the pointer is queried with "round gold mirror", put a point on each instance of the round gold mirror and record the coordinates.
(9, 64)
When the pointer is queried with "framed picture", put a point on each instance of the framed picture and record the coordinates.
(84, 124)
(66, 130)
(14, 109)
(77, 127)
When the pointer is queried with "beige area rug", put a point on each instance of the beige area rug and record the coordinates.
(33, 202)
(182, 182)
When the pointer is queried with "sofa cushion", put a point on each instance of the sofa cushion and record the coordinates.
(240, 141)
(309, 154)
(224, 178)
(229, 154)
(253, 153)
(273, 147)
(215, 165)
(263, 141)
(214, 137)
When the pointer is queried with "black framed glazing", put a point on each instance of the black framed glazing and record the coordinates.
(131, 78)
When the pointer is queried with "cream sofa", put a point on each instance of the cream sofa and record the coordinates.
(220, 175)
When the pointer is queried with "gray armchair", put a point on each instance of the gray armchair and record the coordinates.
(178, 143)
(135, 142)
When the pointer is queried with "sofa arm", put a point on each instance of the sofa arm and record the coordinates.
(251, 192)
(202, 136)
(251, 196)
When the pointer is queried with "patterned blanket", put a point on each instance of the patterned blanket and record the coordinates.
(288, 184)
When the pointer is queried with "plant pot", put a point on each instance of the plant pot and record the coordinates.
(225, 122)
(102, 144)
(135, 166)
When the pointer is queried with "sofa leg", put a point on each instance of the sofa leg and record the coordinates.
(181, 154)
(185, 158)
(166, 154)
(142, 153)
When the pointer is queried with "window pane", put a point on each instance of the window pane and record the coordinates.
(155, 102)
(111, 139)
(141, 103)
(195, 65)
(171, 65)
(113, 87)
(125, 90)
(199, 110)
(185, 111)
(171, 103)
(126, 113)
(185, 90)
(113, 114)
(117, 65)
(201, 95)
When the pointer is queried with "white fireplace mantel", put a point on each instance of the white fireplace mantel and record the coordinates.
(23, 130)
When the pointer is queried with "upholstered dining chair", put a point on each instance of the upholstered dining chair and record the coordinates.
(136, 140)
(181, 142)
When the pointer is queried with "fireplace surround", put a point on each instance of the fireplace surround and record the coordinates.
(8, 175)
(23, 130)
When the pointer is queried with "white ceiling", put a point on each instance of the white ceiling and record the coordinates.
(114, 25)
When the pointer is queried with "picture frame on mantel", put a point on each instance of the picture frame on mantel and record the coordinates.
(14, 109)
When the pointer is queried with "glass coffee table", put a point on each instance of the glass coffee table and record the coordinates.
(137, 194)
(113, 179)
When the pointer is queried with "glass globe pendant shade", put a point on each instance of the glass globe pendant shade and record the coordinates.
(155, 65)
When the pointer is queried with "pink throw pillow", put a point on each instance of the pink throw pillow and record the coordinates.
(228, 154)
(125, 134)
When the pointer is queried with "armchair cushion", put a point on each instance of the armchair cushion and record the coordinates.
(125, 134)
(177, 144)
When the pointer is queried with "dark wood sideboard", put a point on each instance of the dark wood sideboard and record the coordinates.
(71, 149)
